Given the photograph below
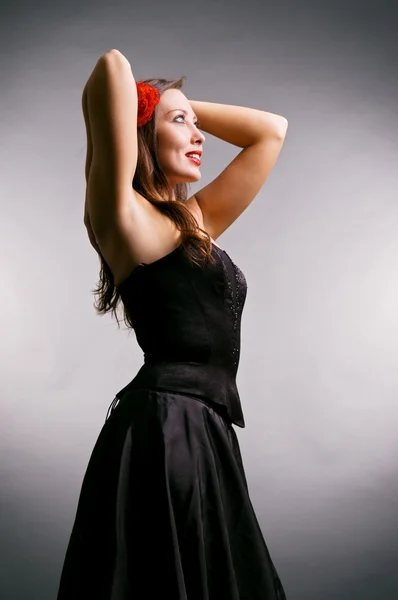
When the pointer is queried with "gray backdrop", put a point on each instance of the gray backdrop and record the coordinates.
(319, 368)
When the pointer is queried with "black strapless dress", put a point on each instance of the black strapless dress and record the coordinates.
(164, 509)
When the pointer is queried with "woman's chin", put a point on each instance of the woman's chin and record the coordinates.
(186, 177)
(192, 177)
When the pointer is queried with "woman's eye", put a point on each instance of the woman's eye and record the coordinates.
(197, 124)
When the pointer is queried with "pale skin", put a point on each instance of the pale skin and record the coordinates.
(123, 225)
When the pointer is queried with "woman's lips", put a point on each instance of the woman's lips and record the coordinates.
(194, 160)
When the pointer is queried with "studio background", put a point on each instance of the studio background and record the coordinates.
(318, 376)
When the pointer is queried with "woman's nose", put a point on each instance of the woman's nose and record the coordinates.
(198, 137)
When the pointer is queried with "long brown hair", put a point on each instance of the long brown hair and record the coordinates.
(151, 182)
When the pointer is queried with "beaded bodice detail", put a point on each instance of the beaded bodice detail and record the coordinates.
(187, 320)
(235, 296)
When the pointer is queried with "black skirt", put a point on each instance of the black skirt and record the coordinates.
(164, 510)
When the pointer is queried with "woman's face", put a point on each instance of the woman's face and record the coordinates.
(177, 135)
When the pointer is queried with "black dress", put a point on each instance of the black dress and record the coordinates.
(164, 510)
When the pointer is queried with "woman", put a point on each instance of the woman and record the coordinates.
(164, 509)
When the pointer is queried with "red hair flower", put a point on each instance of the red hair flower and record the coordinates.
(148, 99)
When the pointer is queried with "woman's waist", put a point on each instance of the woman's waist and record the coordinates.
(203, 379)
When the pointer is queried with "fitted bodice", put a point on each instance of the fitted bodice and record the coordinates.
(187, 321)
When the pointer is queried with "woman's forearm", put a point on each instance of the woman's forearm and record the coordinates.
(236, 124)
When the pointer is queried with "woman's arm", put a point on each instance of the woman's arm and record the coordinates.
(236, 124)
(89, 153)
(89, 157)
(111, 104)
(261, 136)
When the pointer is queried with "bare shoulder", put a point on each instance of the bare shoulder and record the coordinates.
(139, 234)
(142, 234)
